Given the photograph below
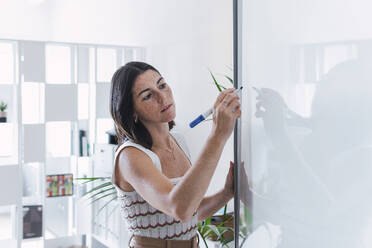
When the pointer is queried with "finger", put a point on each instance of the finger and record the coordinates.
(229, 98)
(232, 163)
(237, 112)
(221, 96)
(234, 105)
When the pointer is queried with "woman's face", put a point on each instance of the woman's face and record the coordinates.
(153, 99)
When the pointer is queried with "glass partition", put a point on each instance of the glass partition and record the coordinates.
(306, 124)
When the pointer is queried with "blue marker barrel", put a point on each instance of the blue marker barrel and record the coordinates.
(197, 121)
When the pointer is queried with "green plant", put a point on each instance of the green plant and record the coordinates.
(218, 85)
(3, 106)
(207, 230)
(105, 190)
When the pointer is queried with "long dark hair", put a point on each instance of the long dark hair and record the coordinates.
(121, 105)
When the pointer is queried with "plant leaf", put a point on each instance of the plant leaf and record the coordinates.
(205, 242)
(215, 230)
(208, 220)
(100, 192)
(215, 82)
(113, 193)
(107, 203)
(90, 179)
(98, 187)
(230, 79)
(228, 240)
(225, 220)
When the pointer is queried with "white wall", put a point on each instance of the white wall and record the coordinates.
(184, 39)
(24, 19)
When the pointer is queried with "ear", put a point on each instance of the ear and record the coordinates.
(135, 117)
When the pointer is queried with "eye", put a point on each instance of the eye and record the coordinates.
(162, 86)
(147, 96)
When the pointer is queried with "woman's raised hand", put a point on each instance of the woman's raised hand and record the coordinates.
(226, 110)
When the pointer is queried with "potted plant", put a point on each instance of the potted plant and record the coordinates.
(220, 228)
(3, 107)
(215, 232)
(224, 220)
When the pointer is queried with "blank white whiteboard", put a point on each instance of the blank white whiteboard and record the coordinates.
(307, 124)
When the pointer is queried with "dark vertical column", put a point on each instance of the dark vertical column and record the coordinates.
(237, 65)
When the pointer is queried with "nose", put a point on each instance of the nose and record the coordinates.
(162, 97)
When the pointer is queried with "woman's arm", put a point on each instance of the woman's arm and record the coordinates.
(182, 200)
(211, 204)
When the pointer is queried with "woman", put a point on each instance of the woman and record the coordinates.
(161, 195)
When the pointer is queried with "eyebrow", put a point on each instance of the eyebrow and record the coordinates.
(148, 88)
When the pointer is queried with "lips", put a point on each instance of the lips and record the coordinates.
(166, 108)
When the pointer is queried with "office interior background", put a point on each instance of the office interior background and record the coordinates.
(57, 59)
(308, 171)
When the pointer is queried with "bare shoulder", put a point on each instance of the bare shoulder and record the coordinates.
(132, 159)
(128, 159)
(137, 169)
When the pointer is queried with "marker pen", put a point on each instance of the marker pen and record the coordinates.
(207, 113)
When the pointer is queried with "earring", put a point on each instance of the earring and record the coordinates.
(135, 120)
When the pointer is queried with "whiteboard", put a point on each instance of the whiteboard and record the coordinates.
(306, 123)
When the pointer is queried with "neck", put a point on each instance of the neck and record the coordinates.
(161, 137)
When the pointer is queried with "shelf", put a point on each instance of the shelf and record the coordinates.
(11, 160)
